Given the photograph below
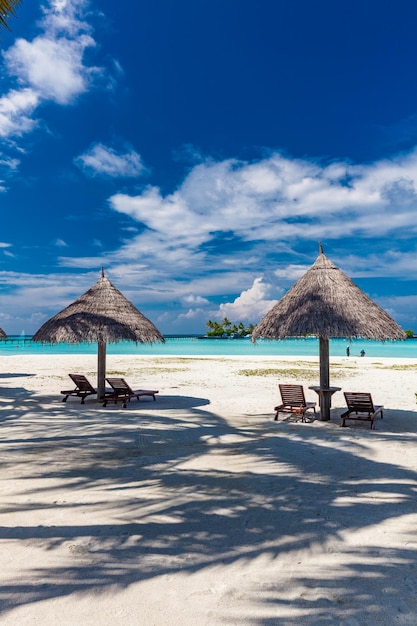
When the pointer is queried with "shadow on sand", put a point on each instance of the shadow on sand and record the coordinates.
(174, 515)
(9, 375)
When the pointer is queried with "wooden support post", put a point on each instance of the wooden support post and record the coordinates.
(101, 369)
(325, 398)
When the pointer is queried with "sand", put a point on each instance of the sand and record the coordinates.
(199, 508)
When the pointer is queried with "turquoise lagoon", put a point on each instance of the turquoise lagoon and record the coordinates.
(200, 346)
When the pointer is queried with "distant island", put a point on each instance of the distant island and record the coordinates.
(228, 329)
(238, 330)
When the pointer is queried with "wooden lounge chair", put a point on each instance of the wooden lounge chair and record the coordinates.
(360, 407)
(83, 388)
(122, 391)
(293, 401)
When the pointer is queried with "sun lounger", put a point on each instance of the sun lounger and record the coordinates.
(360, 407)
(83, 388)
(293, 401)
(122, 391)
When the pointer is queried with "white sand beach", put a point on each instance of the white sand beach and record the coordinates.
(199, 508)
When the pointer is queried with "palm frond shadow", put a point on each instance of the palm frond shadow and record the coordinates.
(173, 514)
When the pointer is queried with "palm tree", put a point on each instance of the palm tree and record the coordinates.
(7, 9)
(216, 329)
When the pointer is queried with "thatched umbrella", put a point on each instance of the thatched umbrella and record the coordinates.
(2, 334)
(102, 314)
(325, 302)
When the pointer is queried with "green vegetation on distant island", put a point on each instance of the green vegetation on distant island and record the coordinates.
(226, 328)
(237, 329)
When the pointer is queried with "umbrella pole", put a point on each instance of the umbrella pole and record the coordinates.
(325, 398)
(101, 369)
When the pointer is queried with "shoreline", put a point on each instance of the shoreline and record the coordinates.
(278, 357)
(193, 347)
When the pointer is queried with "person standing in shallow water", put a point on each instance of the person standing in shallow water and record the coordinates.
(362, 352)
(348, 351)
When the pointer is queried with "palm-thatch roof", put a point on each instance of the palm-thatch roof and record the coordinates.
(2, 334)
(101, 314)
(325, 302)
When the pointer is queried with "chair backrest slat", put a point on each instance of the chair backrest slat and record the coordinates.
(359, 401)
(119, 385)
(292, 395)
(82, 382)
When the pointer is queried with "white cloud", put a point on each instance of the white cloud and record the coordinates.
(5, 248)
(47, 293)
(227, 224)
(81, 262)
(171, 216)
(194, 300)
(392, 263)
(193, 314)
(251, 305)
(9, 163)
(60, 243)
(49, 68)
(16, 108)
(64, 17)
(291, 271)
(106, 161)
(53, 68)
(273, 201)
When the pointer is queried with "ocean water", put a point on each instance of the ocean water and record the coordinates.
(197, 346)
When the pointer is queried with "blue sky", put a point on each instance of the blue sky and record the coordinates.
(200, 150)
